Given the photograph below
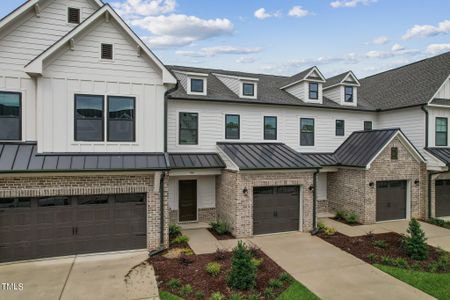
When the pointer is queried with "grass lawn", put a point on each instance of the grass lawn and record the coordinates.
(295, 291)
(436, 285)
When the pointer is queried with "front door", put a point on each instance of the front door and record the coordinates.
(188, 200)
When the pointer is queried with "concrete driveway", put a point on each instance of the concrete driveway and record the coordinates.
(105, 276)
(330, 272)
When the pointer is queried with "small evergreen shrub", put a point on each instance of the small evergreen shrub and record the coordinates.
(395, 262)
(200, 295)
(269, 294)
(340, 215)
(236, 296)
(253, 297)
(286, 278)
(415, 244)
(181, 239)
(213, 269)
(243, 272)
(379, 244)
(217, 296)
(329, 231)
(174, 231)
(257, 261)
(275, 283)
(186, 290)
(220, 227)
(441, 264)
(174, 283)
(351, 218)
(372, 257)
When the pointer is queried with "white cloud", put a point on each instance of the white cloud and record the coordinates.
(134, 8)
(213, 51)
(350, 3)
(181, 30)
(245, 60)
(380, 40)
(397, 47)
(298, 11)
(438, 48)
(263, 14)
(427, 30)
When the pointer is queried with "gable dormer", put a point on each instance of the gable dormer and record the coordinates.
(342, 89)
(306, 85)
(244, 87)
(193, 83)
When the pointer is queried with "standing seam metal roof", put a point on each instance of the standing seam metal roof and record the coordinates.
(442, 154)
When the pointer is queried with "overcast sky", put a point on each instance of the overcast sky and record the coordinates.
(287, 36)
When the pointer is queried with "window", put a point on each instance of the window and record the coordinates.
(107, 51)
(441, 131)
(340, 127)
(73, 15)
(89, 118)
(15, 203)
(130, 198)
(367, 125)
(54, 201)
(232, 124)
(306, 132)
(188, 134)
(270, 128)
(197, 85)
(93, 200)
(248, 89)
(10, 116)
(348, 94)
(313, 90)
(394, 153)
(121, 119)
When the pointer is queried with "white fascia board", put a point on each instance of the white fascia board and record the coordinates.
(226, 159)
(350, 74)
(322, 80)
(35, 66)
(236, 77)
(440, 88)
(195, 74)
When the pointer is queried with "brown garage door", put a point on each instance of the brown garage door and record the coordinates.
(56, 226)
(391, 200)
(442, 198)
(276, 209)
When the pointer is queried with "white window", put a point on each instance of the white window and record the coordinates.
(249, 90)
(196, 86)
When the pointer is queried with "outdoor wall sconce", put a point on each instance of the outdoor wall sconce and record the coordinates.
(371, 184)
(416, 182)
(245, 191)
(311, 188)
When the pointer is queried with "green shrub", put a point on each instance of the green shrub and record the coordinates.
(220, 227)
(372, 257)
(395, 262)
(340, 215)
(415, 244)
(321, 226)
(257, 261)
(236, 296)
(351, 218)
(379, 244)
(269, 294)
(186, 290)
(243, 272)
(187, 251)
(200, 295)
(286, 278)
(174, 283)
(275, 283)
(213, 269)
(439, 222)
(329, 231)
(253, 297)
(181, 239)
(441, 264)
(217, 296)
(174, 231)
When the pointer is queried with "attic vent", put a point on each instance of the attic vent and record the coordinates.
(107, 51)
(73, 15)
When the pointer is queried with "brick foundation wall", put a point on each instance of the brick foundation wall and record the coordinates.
(44, 186)
(236, 208)
(322, 206)
(205, 215)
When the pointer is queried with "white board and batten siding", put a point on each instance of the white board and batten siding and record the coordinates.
(212, 124)
(444, 91)
(24, 39)
(81, 71)
(410, 120)
(206, 191)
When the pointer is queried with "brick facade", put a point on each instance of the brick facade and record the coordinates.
(205, 215)
(236, 208)
(349, 189)
(62, 185)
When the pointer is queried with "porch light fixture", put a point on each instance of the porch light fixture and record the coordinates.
(371, 184)
(245, 191)
(416, 182)
(311, 188)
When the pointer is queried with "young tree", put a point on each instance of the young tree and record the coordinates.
(415, 244)
(243, 270)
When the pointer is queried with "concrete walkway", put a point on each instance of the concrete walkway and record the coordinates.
(437, 236)
(203, 242)
(109, 276)
(331, 273)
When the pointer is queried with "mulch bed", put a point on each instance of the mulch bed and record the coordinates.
(344, 222)
(362, 247)
(227, 236)
(194, 274)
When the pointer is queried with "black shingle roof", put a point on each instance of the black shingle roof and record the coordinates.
(442, 154)
(266, 156)
(23, 157)
(195, 161)
(441, 101)
(335, 79)
(296, 77)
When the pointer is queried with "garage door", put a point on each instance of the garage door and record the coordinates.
(391, 200)
(442, 198)
(56, 226)
(276, 209)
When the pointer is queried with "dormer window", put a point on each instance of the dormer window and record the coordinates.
(248, 89)
(348, 94)
(73, 15)
(197, 85)
(313, 90)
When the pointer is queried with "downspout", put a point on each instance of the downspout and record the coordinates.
(426, 124)
(430, 174)
(315, 230)
(162, 218)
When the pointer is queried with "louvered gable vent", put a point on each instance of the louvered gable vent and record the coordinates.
(107, 51)
(73, 15)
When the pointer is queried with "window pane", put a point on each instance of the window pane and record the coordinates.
(88, 200)
(249, 89)
(441, 139)
(15, 203)
(89, 130)
(394, 153)
(307, 132)
(270, 128)
(340, 127)
(54, 201)
(188, 128)
(441, 131)
(313, 90)
(10, 120)
(197, 85)
(232, 127)
(89, 118)
(188, 137)
(89, 107)
(367, 125)
(121, 119)
(348, 94)
(130, 198)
